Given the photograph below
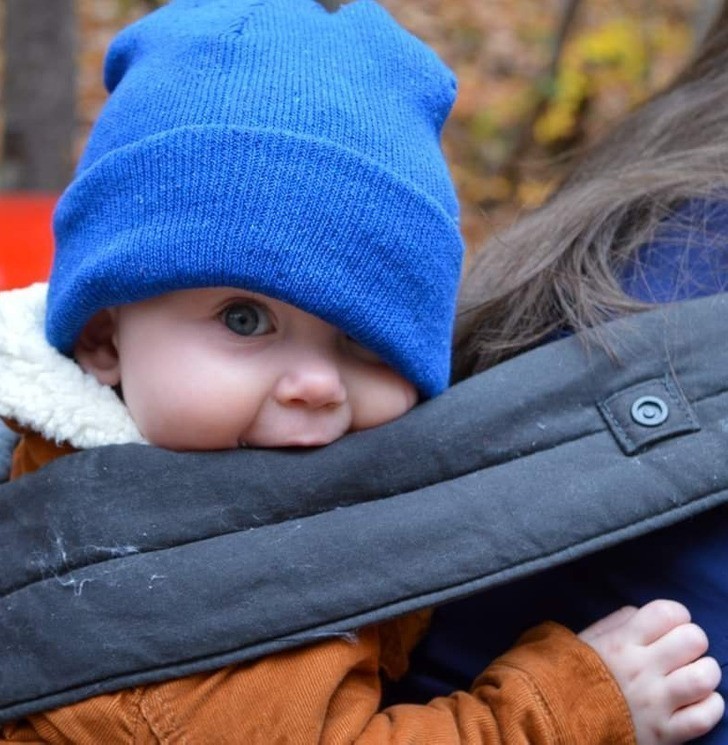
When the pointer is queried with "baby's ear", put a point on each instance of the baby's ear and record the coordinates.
(95, 349)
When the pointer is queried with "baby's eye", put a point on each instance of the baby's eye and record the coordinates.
(248, 319)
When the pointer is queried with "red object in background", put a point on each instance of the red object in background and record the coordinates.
(26, 241)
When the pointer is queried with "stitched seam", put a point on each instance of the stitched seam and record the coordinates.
(237, 28)
(607, 412)
(676, 396)
(672, 393)
(160, 716)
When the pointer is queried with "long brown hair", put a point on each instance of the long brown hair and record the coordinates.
(559, 267)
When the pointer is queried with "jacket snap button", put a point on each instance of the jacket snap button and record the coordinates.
(649, 411)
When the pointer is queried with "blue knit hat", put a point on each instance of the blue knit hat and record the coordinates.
(275, 146)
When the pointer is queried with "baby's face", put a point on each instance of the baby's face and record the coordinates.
(220, 368)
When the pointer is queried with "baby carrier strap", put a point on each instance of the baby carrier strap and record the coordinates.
(128, 564)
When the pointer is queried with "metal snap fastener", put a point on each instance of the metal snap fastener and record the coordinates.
(649, 411)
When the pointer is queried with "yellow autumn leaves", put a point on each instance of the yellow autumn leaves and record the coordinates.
(610, 60)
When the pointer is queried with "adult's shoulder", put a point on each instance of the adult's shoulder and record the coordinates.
(687, 256)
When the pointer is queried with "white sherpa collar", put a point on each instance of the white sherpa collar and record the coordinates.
(42, 389)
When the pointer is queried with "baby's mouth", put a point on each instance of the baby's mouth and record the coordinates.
(296, 428)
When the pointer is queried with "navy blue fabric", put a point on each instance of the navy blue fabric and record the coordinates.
(688, 258)
(8, 440)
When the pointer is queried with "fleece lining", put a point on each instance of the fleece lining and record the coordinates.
(44, 390)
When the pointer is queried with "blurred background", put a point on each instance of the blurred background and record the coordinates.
(538, 80)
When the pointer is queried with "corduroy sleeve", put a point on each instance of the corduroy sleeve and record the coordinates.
(550, 688)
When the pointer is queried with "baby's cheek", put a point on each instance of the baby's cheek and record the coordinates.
(377, 404)
(162, 412)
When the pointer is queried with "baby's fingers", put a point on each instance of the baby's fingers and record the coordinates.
(692, 683)
(656, 619)
(695, 720)
(679, 647)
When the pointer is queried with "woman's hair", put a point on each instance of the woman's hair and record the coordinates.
(558, 269)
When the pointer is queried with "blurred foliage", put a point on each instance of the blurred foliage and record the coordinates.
(612, 55)
(612, 59)
(538, 80)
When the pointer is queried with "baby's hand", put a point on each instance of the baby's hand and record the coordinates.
(656, 656)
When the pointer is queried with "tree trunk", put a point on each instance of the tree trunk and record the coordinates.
(40, 94)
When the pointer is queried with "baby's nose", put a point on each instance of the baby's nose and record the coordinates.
(315, 384)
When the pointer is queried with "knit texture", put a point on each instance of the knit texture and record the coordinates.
(278, 147)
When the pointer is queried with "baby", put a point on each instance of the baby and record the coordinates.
(260, 249)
